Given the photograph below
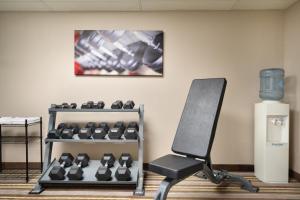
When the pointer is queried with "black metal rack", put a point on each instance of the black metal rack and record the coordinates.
(89, 171)
(22, 140)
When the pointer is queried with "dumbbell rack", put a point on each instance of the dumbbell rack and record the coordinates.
(137, 172)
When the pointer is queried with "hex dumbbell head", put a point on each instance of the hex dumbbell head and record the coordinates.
(85, 133)
(117, 104)
(74, 126)
(90, 102)
(54, 134)
(82, 159)
(57, 173)
(73, 105)
(69, 131)
(130, 134)
(88, 105)
(120, 125)
(123, 174)
(125, 160)
(104, 125)
(65, 105)
(62, 126)
(67, 159)
(91, 125)
(129, 104)
(108, 159)
(67, 134)
(58, 106)
(99, 133)
(133, 125)
(100, 105)
(103, 174)
(115, 133)
(75, 173)
(84, 106)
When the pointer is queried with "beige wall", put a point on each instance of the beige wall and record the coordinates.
(36, 69)
(292, 67)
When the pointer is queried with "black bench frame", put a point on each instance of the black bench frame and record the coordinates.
(201, 113)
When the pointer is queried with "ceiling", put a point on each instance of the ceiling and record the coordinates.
(142, 5)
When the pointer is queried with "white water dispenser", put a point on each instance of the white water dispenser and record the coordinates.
(271, 156)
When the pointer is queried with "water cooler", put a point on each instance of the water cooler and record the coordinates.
(271, 156)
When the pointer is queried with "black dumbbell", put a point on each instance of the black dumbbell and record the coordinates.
(131, 132)
(104, 125)
(104, 173)
(87, 105)
(91, 125)
(125, 160)
(120, 125)
(56, 106)
(101, 131)
(58, 172)
(90, 103)
(84, 106)
(56, 133)
(123, 173)
(117, 131)
(73, 105)
(99, 105)
(76, 172)
(129, 104)
(86, 133)
(65, 105)
(117, 104)
(133, 125)
(69, 131)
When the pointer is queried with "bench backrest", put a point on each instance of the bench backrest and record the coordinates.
(197, 126)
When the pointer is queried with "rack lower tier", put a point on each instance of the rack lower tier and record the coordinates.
(89, 176)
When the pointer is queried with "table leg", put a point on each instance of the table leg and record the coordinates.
(41, 143)
(26, 143)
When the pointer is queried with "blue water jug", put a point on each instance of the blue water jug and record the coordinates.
(271, 84)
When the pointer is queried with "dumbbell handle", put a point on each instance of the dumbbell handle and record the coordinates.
(79, 164)
(106, 164)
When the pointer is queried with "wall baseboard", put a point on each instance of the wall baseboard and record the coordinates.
(235, 168)
(228, 167)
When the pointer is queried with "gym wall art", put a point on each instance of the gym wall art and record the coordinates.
(118, 52)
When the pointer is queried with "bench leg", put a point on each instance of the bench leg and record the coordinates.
(164, 188)
(218, 177)
(244, 183)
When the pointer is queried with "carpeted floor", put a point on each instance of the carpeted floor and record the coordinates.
(13, 186)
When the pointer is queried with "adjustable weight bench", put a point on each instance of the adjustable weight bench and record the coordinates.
(194, 139)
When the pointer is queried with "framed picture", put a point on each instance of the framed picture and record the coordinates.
(118, 52)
